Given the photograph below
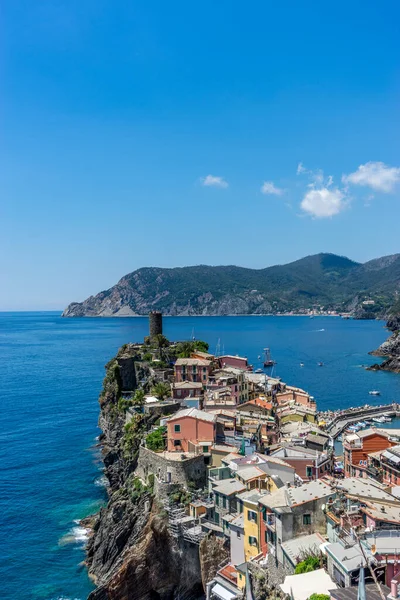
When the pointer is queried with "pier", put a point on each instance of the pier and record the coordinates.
(349, 416)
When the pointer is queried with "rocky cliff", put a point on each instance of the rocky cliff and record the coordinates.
(131, 554)
(327, 280)
(390, 349)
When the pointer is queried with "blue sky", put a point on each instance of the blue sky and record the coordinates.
(174, 133)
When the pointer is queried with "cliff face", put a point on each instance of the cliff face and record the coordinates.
(390, 349)
(328, 280)
(130, 554)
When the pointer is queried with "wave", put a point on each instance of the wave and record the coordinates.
(76, 535)
(101, 481)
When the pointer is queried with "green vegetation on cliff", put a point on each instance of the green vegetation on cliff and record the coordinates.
(327, 280)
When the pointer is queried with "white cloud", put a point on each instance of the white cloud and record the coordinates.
(376, 175)
(301, 169)
(268, 187)
(323, 202)
(213, 181)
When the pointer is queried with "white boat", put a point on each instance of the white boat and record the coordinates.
(379, 419)
(374, 393)
(388, 419)
(302, 364)
(258, 371)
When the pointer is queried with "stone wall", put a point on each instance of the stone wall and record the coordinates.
(172, 470)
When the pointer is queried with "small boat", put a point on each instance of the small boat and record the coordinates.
(320, 364)
(302, 364)
(379, 419)
(374, 393)
(268, 362)
(258, 371)
(387, 419)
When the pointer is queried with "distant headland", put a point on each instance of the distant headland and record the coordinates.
(314, 285)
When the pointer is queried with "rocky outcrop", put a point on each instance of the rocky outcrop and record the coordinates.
(390, 349)
(131, 554)
(134, 556)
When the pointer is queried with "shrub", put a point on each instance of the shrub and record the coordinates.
(311, 563)
(319, 597)
(155, 440)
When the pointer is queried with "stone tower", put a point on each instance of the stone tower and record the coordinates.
(155, 323)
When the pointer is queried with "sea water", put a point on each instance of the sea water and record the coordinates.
(51, 370)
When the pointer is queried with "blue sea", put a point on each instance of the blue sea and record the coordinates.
(50, 377)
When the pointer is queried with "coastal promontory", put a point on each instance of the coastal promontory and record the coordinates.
(321, 283)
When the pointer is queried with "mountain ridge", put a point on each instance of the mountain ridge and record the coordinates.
(321, 281)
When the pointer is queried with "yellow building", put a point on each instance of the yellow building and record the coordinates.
(248, 503)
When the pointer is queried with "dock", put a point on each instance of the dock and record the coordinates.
(349, 416)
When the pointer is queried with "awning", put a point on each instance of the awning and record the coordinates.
(222, 592)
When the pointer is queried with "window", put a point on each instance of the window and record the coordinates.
(238, 534)
(205, 449)
(252, 540)
(307, 519)
(223, 502)
(204, 370)
(177, 428)
(308, 471)
(204, 377)
(252, 516)
(177, 442)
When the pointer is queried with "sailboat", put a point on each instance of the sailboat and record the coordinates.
(268, 362)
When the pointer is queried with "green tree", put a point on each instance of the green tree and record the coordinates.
(155, 440)
(161, 390)
(160, 341)
(138, 398)
(319, 597)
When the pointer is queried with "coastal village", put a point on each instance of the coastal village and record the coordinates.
(307, 502)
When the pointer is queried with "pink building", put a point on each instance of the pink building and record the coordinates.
(192, 369)
(191, 430)
(186, 389)
(234, 361)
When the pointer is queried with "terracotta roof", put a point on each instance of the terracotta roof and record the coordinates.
(256, 402)
(193, 361)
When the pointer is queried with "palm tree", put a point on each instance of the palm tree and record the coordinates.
(138, 398)
(161, 390)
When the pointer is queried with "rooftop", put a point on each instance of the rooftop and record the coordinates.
(256, 403)
(249, 473)
(385, 540)
(296, 547)
(364, 433)
(275, 499)
(252, 496)
(364, 488)
(349, 558)
(313, 490)
(194, 413)
(229, 487)
(300, 587)
(383, 512)
(351, 593)
(187, 385)
(238, 521)
(317, 439)
(193, 362)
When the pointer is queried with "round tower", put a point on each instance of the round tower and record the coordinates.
(155, 323)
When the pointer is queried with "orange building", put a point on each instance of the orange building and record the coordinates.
(357, 446)
(191, 430)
